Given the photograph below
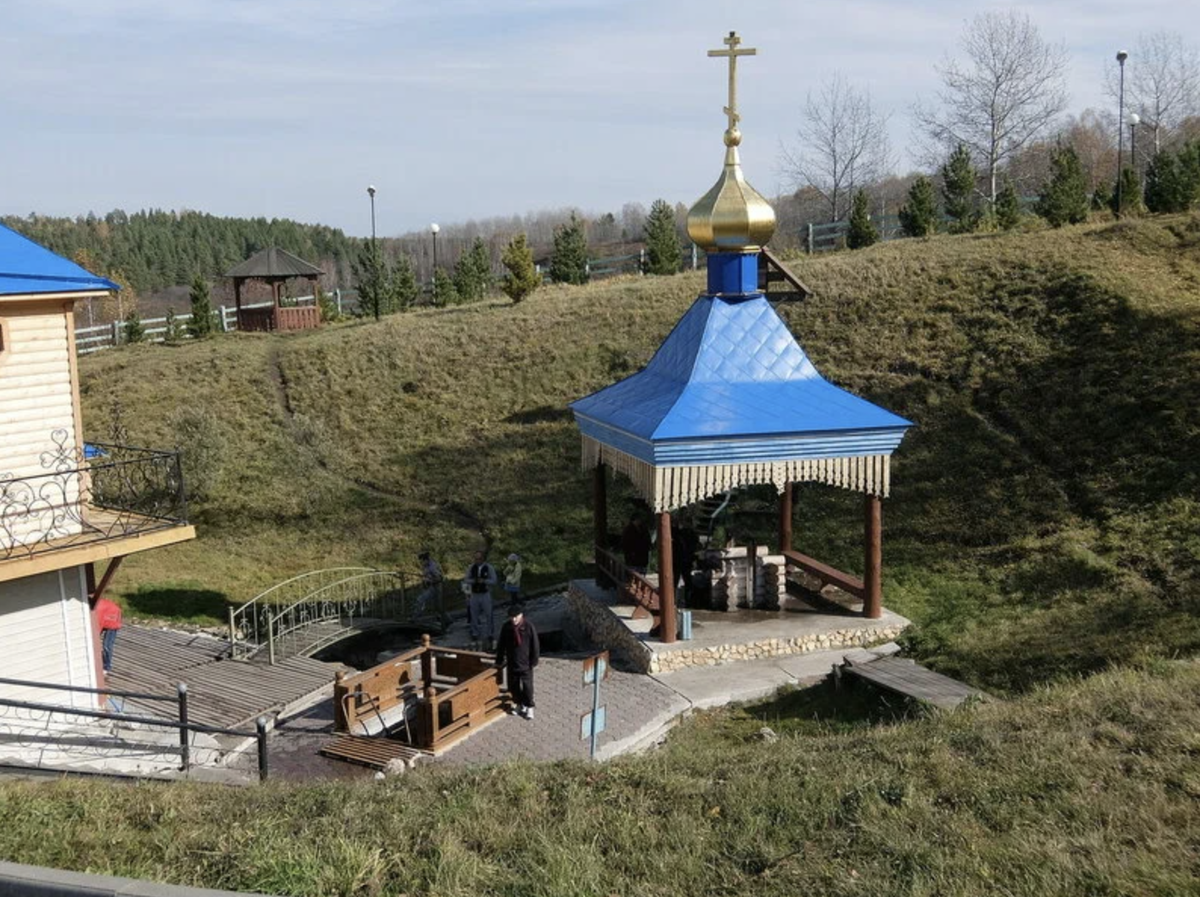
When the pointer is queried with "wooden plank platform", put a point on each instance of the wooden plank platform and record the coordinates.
(367, 751)
(904, 677)
(221, 692)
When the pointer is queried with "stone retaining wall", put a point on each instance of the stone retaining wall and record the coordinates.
(712, 655)
(606, 630)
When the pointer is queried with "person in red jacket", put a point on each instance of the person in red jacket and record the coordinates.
(518, 649)
(108, 615)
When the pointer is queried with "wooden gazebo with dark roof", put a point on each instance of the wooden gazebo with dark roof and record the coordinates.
(275, 267)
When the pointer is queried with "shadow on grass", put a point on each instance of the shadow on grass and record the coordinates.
(183, 602)
(826, 708)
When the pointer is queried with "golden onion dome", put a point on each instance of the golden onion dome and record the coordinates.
(732, 216)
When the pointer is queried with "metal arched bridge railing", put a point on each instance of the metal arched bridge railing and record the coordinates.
(306, 613)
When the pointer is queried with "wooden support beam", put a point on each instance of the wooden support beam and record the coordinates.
(600, 518)
(98, 592)
(873, 551)
(666, 579)
(785, 518)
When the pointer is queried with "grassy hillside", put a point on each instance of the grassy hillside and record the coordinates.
(1089, 788)
(1044, 517)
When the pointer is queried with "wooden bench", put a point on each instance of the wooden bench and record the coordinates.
(828, 575)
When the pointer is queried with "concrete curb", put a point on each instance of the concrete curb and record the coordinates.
(17, 880)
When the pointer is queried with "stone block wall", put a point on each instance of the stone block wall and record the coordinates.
(605, 629)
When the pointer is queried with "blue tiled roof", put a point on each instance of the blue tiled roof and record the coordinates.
(730, 375)
(26, 267)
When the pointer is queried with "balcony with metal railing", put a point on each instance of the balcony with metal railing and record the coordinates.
(108, 501)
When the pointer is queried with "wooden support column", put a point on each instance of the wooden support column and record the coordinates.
(98, 592)
(873, 550)
(666, 579)
(785, 518)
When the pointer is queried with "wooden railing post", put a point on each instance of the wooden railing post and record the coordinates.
(873, 551)
(430, 705)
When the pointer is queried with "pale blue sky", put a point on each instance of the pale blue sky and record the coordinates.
(456, 108)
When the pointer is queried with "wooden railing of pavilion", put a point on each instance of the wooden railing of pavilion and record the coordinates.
(300, 317)
(633, 588)
(852, 585)
(455, 694)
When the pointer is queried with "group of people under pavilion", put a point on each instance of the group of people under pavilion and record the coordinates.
(731, 400)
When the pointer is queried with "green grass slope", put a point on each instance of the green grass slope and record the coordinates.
(1089, 788)
(1044, 517)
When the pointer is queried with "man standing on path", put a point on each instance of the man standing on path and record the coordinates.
(519, 651)
(480, 578)
(108, 615)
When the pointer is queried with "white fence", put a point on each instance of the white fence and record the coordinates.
(105, 336)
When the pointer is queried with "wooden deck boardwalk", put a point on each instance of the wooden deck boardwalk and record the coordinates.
(905, 677)
(221, 692)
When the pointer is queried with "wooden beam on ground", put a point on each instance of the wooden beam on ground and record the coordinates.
(912, 680)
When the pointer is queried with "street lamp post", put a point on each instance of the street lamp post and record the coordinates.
(433, 229)
(371, 193)
(1121, 57)
(1134, 121)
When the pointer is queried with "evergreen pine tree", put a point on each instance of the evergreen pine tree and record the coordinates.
(521, 277)
(444, 292)
(569, 261)
(326, 305)
(918, 217)
(201, 323)
(1008, 206)
(481, 263)
(375, 288)
(662, 239)
(1130, 192)
(958, 191)
(404, 283)
(472, 273)
(1064, 199)
(171, 328)
(134, 332)
(862, 232)
(1101, 197)
(1165, 184)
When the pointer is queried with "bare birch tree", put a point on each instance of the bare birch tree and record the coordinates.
(1008, 89)
(1162, 83)
(843, 145)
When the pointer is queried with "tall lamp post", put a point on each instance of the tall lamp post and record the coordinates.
(371, 193)
(433, 229)
(1121, 57)
(1134, 121)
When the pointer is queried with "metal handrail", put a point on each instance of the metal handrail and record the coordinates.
(53, 686)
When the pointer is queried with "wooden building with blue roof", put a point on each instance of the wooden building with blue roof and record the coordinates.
(731, 399)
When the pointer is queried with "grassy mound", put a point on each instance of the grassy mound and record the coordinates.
(1085, 788)
(1043, 521)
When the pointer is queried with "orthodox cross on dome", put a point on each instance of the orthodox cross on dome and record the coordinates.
(732, 135)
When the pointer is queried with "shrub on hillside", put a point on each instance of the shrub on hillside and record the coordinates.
(1008, 207)
(473, 272)
(134, 331)
(201, 323)
(1128, 193)
(404, 283)
(201, 446)
(958, 191)
(1064, 199)
(662, 239)
(521, 276)
(862, 232)
(918, 217)
(1173, 180)
(376, 286)
(569, 261)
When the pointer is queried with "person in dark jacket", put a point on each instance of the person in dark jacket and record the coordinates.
(518, 650)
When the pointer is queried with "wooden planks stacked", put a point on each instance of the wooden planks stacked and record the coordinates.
(221, 692)
(907, 678)
(373, 752)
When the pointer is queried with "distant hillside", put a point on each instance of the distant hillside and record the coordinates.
(156, 249)
(1044, 517)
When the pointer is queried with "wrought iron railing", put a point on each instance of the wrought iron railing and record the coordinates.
(290, 619)
(117, 491)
